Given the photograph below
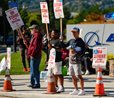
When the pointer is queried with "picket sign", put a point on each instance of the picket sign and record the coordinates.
(45, 16)
(58, 11)
(99, 57)
(51, 61)
(14, 18)
(44, 12)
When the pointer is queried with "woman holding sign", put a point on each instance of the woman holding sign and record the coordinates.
(23, 41)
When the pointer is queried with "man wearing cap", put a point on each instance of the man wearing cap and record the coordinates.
(76, 48)
(34, 52)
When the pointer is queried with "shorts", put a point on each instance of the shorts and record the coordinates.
(75, 69)
(57, 69)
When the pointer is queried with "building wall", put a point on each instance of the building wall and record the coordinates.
(94, 34)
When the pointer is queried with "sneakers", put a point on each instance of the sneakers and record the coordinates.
(87, 72)
(61, 89)
(82, 72)
(74, 92)
(28, 69)
(30, 85)
(35, 86)
(25, 69)
(56, 88)
(81, 92)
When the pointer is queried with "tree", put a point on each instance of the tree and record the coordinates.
(24, 15)
(4, 4)
(35, 18)
(4, 24)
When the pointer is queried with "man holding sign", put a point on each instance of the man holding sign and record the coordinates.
(34, 52)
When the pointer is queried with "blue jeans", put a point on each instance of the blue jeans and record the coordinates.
(34, 71)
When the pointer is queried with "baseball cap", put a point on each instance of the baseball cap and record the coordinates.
(75, 29)
(33, 26)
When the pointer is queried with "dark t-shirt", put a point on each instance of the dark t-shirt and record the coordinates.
(77, 43)
(55, 43)
(76, 58)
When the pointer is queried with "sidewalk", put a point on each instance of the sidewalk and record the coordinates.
(20, 83)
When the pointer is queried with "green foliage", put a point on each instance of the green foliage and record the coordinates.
(94, 9)
(71, 21)
(4, 4)
(110, 56)
(24, 15)
(107, 10)
(36, 17)
(4, 25)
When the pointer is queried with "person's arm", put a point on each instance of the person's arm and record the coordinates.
(18, 38)
(64, 44)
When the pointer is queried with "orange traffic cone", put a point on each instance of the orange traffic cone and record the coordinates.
(7, 87)
(51, 89)
(99, 89)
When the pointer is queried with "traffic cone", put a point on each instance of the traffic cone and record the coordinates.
(51, 89)
(7, 87)
(99, 89)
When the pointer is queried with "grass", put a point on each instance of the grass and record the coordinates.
(16, 64)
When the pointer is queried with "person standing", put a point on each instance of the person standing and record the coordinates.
(57, 67)
(76, 50)
(23, 45)
(34, 52)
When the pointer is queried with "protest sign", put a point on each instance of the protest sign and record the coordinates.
(52, 55)
(99, 57)
(44, 12)
(58, 9)
(14, 18)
